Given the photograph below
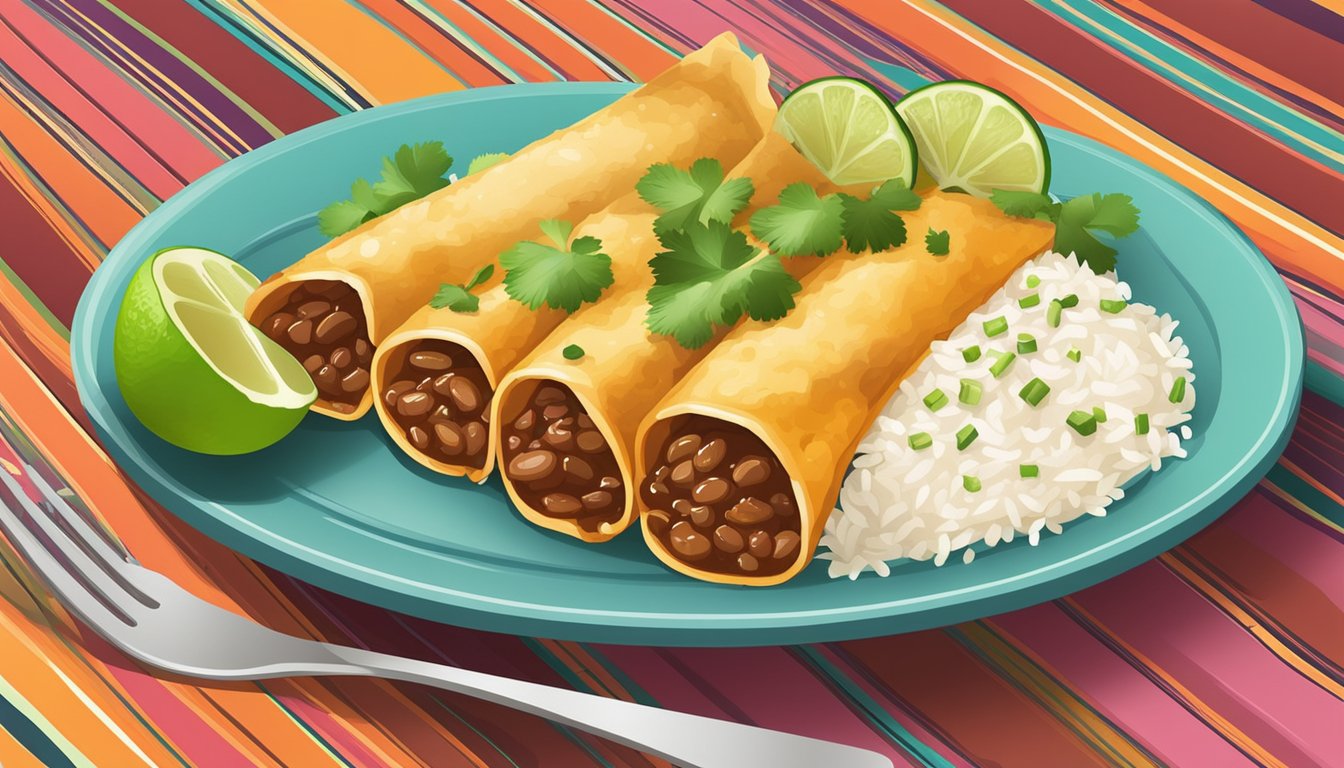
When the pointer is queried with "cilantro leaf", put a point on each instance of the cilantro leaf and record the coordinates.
(1077, 221)
(801, 223)
(1113, 213)
(482, 274)
(563, 275)
(873, 224)
(481, 162)
(710, 275)
(411, 173)
(936, 243)
(699, 194)
(1015, 202)
(897, 197)
(459, 298)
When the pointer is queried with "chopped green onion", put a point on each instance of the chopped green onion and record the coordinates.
(935, 399)
(920, 440)
(1026, 343)
(572, 352)
(971, 353)
(1034, 392)
(1099, 414)
(1177, 390)
(1028, 470)
(970, 392)
(1006, 359)
(970, 483)
(1033, 281)
(1083, 422)
(1140, 423)
(1075, 354)
(1029, 300)
(1070, 301)
(996, 326)
(1054, 312)
(1115, 307)
(965, 436)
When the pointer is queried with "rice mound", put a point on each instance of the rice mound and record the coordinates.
(899, 502)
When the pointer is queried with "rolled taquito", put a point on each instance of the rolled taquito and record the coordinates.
(741, 463)
(333, 307)
(434, 377)
(567, 427)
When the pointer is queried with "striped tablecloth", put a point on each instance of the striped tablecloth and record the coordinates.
(1226, 651)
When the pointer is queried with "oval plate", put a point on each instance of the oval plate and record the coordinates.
(336, 505)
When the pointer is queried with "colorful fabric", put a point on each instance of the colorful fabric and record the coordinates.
(1227, 651)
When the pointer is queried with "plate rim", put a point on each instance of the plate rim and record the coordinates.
(468, 608)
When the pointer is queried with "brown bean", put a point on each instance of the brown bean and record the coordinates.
(524, 423)
(326, 378)
(341, 358)
(585, 422)
(355, 381)
(747, 563)
(683, 474)
(591, 441)
(514, 442)
(441, 413)
(657, 488)
(558, 437)
(342, 407)
(363, 351)
(414, 404)
(328, 288)
(688, 543)
(418, 437)
(335, 327)
(476, 437)
(425, 385)
(450, 437)
(682, 447)
(760, 544)
(710, 454)
(596, 500)
(577, 468)
(312, 309)
(549, 394)
(534, 445)
(276, 325)
(430, 360)
(313, 362)
(300, 332)
(782, 503)
(727, 538)
(560, 504)
(532, 465)
(662, 473)
(749, 511)
(657, 521)
(396, 390)
(710, 491)
(682, 507)
(609, 483)
(702, 516)
(555, 411)
(751, 470)
(786, 543)
(465, 394)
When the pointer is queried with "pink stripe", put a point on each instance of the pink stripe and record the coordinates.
(113, 139)
(1231, 672)
(1288, 539)
(765, 685)
(185, 153)
(334, 732)
(1117, 690)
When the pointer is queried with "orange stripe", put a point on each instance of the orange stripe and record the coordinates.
(79, 242)
(496, 40)
(1302, 475)
(534, 34)
(434, 42)
(627, 49)
(13, 755)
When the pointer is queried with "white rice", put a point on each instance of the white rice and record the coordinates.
(899, 502)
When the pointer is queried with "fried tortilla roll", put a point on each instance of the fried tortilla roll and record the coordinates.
(336, 304)
(567, 427)
(741, 463)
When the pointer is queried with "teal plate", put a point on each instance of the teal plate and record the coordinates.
(336, 505)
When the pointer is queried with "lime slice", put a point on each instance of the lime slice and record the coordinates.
(190, 366)
(975, 139)
(849, 130)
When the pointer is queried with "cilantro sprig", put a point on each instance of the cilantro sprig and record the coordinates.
(562, 275)
(801, 223)
(700, 194)
(459, 298)
(874, 224)
(709, 275)
(481, 162)
(1077, 221)
(413, 171)
(936, 242)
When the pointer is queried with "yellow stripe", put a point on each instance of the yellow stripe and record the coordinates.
(32, 713)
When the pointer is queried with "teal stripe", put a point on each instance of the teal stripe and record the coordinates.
(27, 733)
(876, 715)
(1303, 491)
(299, 721)
(1325, 383)
(1313, 139)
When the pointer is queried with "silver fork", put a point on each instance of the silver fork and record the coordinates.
(154, 620)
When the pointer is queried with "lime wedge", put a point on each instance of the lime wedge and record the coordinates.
(975, 139)
(849, 130)
(190, 366)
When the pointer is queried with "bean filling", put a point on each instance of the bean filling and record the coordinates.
(441, 401)
(559, 462)
(718, 498)
(322, 326)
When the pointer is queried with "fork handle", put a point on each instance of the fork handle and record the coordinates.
(687, 740)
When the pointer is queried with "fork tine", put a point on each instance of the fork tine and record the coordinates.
(93, 594)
